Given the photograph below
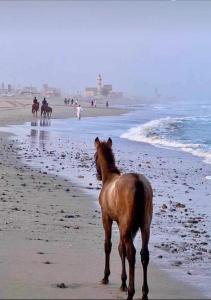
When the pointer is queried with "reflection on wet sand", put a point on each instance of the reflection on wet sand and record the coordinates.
(45, 122)
(34, 132)
(44, 135)
(34, 123)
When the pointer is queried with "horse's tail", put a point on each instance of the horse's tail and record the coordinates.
(143, 204)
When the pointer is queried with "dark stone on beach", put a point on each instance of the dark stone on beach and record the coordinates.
(180, 205)
(160, 256)
(192, 221)
(67, 190)
(164, 206)
(66, 226)
(204, 243)
(47, 262)
(69, 216)
(15, 208)
(61, 285)
(176, 263)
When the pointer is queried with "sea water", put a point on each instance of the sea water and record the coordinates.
(181, 125)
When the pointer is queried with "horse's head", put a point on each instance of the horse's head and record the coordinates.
(99, 146)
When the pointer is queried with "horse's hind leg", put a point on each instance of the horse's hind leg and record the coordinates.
(122, 253)
(145, 232)
(131, 256)
(107, 224)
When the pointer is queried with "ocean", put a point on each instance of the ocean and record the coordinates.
(169, 142)
(185, 126)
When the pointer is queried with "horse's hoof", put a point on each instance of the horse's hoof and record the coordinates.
(105, 281)
(144, 297)
(123, 288)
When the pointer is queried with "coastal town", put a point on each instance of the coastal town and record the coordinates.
(100, 91)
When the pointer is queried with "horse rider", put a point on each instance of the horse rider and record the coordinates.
(44, 102)
(35, 100)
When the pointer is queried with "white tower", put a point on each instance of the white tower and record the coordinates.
(99, 84)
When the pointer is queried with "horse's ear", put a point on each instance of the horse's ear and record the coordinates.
(109, 142)
(97, 141)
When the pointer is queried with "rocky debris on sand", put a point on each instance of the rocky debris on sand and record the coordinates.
(61, 285)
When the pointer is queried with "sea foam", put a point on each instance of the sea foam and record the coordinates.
(155, 133)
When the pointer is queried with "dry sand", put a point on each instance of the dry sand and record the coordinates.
(51, 232)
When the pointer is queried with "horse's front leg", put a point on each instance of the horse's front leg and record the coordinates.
(107, 224)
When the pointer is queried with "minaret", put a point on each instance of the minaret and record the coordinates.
(99, 84)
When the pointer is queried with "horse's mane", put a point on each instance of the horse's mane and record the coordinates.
(106, 152)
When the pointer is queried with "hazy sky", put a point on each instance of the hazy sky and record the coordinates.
(135, 45)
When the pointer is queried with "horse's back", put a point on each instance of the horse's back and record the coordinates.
(136, 197)
(135, 183)
(128, 195)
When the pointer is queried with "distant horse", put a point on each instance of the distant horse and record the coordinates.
(35, 108)
(46, 111)
(126, 199)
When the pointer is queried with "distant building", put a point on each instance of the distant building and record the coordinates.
(9, 88)
(90, 92)
(106, 90)
(99, 84)
(101, 90)
(29, 90)
(3, 90)
(51, 91)
(6, 90)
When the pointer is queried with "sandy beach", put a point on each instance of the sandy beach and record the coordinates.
(50, 228)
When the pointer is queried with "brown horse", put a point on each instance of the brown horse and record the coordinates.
(46, 111)
(126, 199)
(35, 108)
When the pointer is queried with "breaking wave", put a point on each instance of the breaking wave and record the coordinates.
(166, 132)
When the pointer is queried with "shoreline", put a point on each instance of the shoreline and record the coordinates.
(76, 254)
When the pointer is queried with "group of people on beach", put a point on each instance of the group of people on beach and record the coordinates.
(94, 103)
(74, 103)
(67, 101)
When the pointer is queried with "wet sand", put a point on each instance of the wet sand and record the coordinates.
(52, 237)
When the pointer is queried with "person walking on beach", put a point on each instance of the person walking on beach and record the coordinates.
(78, 111)
(107, 104)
